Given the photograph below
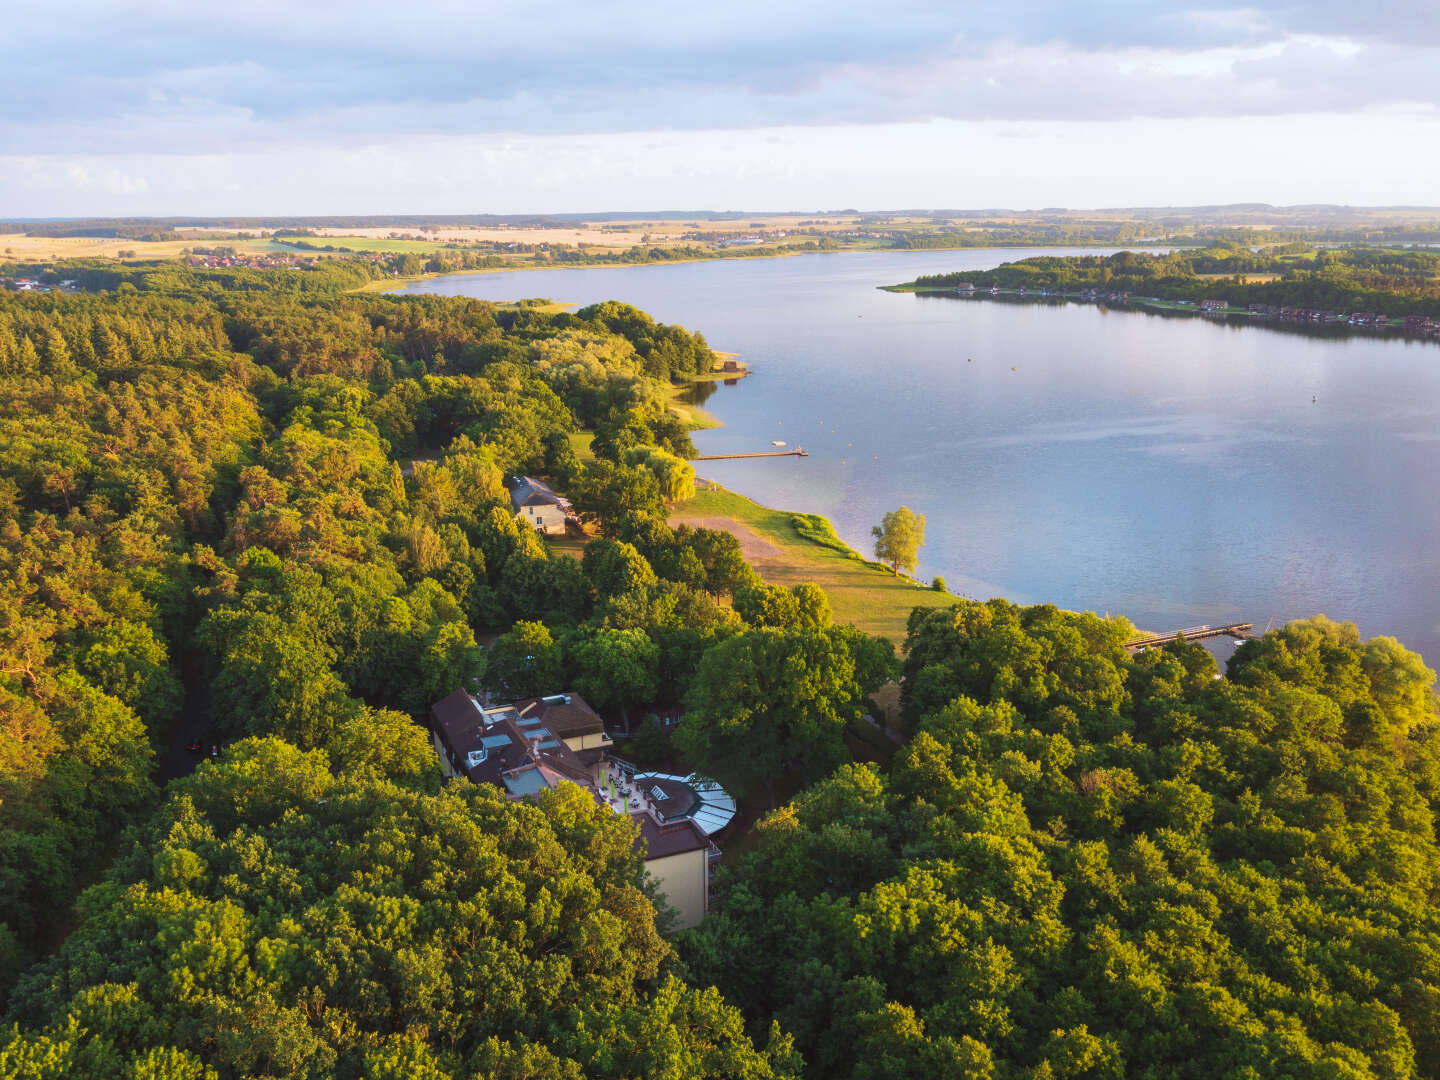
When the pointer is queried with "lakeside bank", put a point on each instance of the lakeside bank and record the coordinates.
(1177, 469)
(787, 548)
(399, 283)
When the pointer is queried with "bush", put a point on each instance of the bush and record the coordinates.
(818, 530)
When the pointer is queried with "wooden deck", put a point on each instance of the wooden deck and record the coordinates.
(1193, 633)
(797, 452)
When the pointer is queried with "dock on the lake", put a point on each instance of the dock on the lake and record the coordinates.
(797, 452)
(1193, 633)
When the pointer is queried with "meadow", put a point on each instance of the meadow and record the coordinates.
(875, 600)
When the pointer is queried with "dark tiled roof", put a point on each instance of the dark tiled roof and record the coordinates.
(672, 798)
(462, 729)
(567, 715)
(511, 763)
(465, 729)
(531, 492)
(674, 838)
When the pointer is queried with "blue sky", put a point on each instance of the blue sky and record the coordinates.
(169, 106)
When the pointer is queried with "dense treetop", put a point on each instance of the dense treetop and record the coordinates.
(1387, 281)
(263, 508)
(278, 920)
(204, 472)
(1085, 864)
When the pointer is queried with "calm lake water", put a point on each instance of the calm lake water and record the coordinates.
(1175, 469)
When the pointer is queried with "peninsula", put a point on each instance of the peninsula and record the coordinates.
(1373, 288)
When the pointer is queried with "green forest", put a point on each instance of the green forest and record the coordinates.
(1387, 281)
(263, 510)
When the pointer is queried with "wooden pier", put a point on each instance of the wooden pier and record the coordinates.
(1193, 633)
(797, 452)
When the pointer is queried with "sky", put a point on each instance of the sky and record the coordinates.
(166, 107)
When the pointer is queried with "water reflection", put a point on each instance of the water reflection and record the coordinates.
(700, 391)
(1328, 331)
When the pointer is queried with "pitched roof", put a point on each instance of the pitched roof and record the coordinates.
(531, 492)
(519, 752)
(672, 838)
(493, 746)
(565, 714)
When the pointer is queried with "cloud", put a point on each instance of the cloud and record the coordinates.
(937, 164)
(116, 88)
(106, 76)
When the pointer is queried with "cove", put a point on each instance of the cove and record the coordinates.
(1178, 470)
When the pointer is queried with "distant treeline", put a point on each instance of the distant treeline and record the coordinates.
(994, 235)
(494, 256)
(144, 228)
(102, 230)
(1384, 281)
(449, 260)
(1178, 232)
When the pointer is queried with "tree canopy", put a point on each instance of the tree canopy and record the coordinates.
(899, 538)
(258, 508)
(279, 920)
(1088, 864)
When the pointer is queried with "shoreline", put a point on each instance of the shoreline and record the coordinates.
(696, 417)
(395, 284)
(1334, 324)
(871, 613)
(787, 547)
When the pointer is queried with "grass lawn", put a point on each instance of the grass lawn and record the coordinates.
(580, 442)
(874, 600)
(574, 546)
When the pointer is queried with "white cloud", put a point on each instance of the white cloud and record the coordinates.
(938, 164)
(166, 85)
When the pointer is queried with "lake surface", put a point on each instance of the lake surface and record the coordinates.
(1178, 470)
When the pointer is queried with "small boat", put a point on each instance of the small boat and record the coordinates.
(777, 442)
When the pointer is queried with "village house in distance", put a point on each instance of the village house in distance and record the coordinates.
(538, 505)
(538, 743)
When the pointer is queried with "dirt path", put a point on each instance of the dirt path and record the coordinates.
(193, 723)
(753, 546)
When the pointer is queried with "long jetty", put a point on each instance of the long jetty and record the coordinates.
(763, 453)
(1193, 633)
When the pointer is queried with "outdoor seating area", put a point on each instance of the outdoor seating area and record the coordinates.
(668, 797)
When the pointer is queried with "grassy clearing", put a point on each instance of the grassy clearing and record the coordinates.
(574, 546)
(580, 442)
(876, 601)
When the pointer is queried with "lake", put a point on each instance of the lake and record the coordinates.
(1178, 470)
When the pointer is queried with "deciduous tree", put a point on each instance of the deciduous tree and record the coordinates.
(898, 539)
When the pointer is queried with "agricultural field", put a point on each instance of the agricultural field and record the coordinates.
(21, 248)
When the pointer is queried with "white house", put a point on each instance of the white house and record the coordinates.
(538, 505)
